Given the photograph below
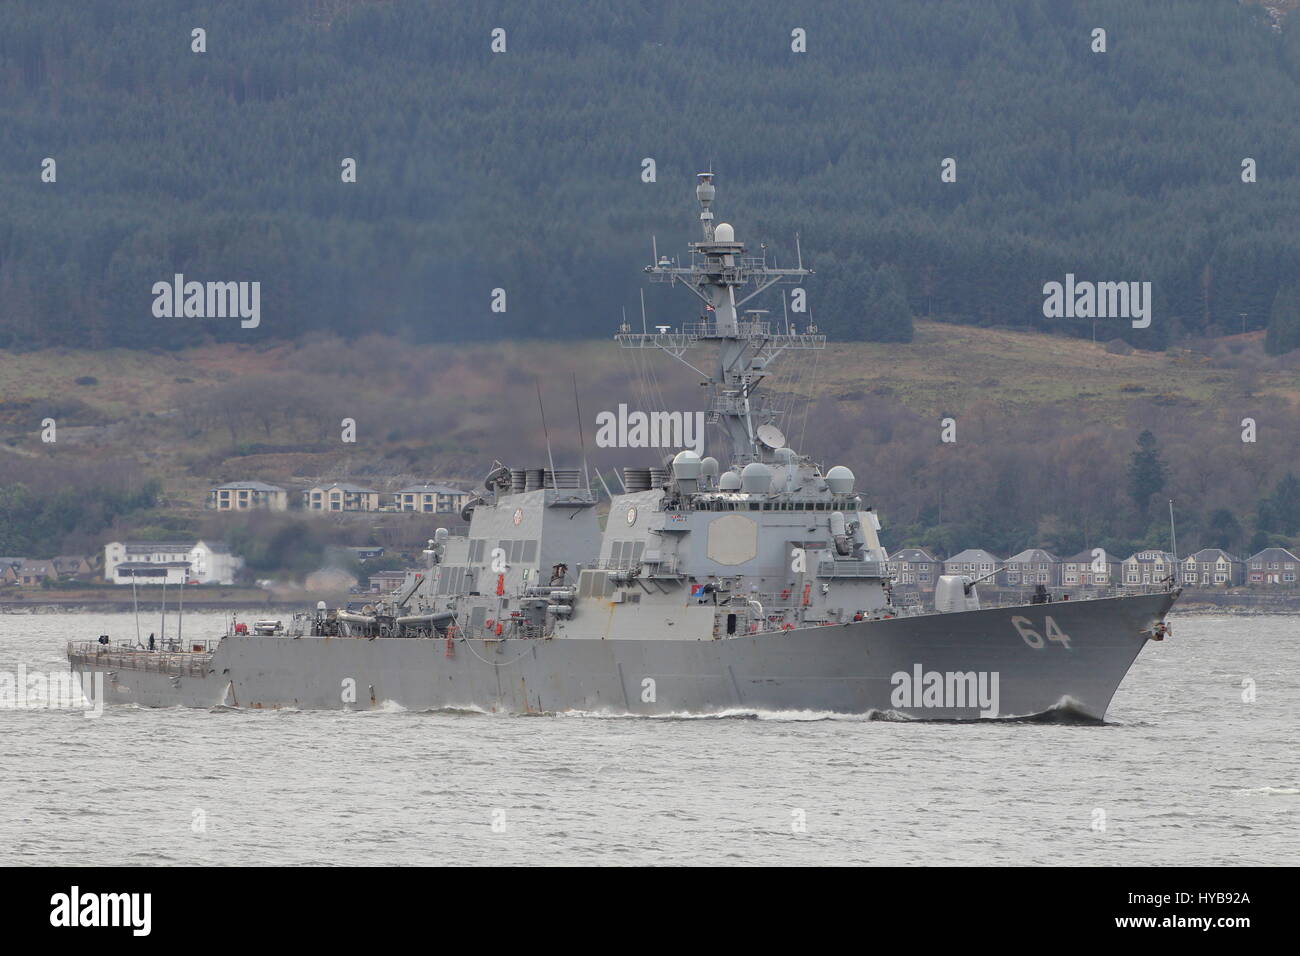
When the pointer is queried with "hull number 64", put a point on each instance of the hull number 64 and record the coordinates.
(1034, 639)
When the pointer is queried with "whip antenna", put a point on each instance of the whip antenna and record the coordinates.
(582, 441)
(545, 433)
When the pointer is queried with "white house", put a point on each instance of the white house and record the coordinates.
(170, 562)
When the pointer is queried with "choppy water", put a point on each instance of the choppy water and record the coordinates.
(1186, 772)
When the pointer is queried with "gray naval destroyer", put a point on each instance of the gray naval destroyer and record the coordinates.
(758, 586)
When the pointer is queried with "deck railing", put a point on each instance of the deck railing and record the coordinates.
(107, 657)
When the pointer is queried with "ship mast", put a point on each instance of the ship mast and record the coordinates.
(724, 279)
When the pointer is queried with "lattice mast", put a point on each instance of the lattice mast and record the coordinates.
(725, 278)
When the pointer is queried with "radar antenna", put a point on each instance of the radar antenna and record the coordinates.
(724, 279)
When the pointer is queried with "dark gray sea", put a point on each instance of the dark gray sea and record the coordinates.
(1197, 765)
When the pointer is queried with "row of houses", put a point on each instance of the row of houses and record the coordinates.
(339, 496)
(33, 572)
(1209, 567)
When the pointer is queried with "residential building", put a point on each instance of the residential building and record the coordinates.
(1031, 567)
(340, 496)
(1212, 567)
(431, 499)
(32, 574)
(1091, 568)
(1147, 568)
(174, 562)
(9, 570)
(914, 567)
(73, 566)
(973, 561)
(1273, 567)
(247, 496)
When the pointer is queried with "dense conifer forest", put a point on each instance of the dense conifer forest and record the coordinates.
(522, 170)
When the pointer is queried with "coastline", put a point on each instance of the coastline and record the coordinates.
(250, 601)
(102, 601)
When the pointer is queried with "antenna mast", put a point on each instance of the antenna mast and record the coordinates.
(724, 278)
(1173, 536)
(581, 438)
(549, 457)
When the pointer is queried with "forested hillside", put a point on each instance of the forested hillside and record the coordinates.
(522, 170)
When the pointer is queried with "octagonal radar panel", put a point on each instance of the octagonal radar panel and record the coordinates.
(770, 436)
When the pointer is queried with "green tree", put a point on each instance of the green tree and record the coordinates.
(1224, 529)
(1280, 511)
(1146, 474)
(889, 317)
(1283, 333)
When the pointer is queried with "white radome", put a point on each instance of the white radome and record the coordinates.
(687, 465)
(840, 480)
(755, 478)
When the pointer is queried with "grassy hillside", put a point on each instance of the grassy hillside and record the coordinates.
(1045, 424)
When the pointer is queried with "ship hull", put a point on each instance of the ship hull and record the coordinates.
(1005, 663)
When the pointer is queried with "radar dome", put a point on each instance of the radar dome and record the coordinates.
(730, 481)
(784, 455)
(840, 480)
(755, 478)
(723, 232)
(709, 467)
(687, 465)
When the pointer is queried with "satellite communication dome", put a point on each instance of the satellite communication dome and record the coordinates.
(840, 480)
(730, 481)
(687, 465)
(755, 478)
(709, 467)
(723, 232)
